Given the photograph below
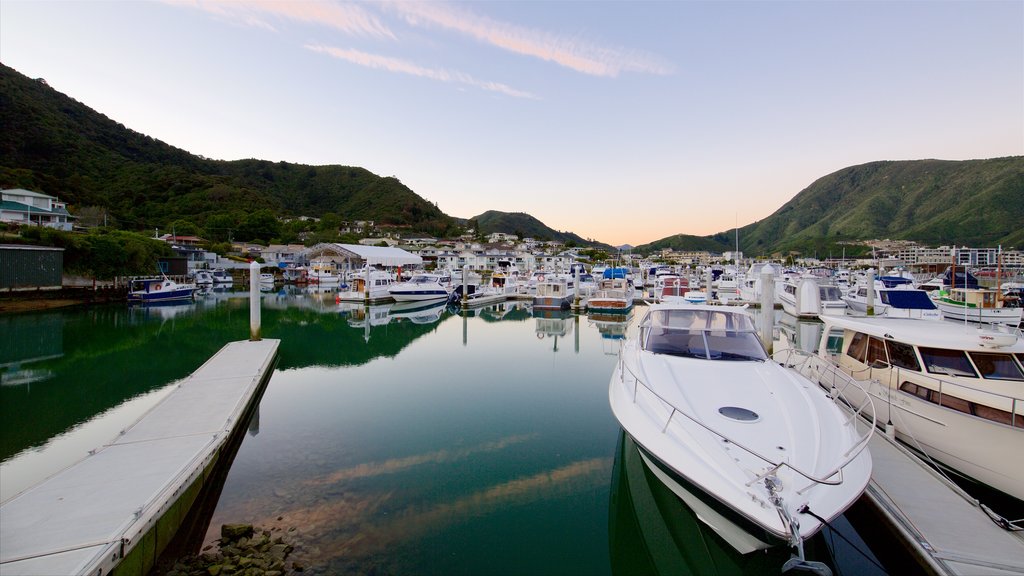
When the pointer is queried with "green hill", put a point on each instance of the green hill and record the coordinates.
(526, 226)
(58, 146)
(935, 202)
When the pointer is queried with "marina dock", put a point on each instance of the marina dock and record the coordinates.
(117, 509)
(943, 528)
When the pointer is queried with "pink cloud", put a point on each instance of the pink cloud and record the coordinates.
(405, 67)
(568, 52)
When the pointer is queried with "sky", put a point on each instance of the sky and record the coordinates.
(623, 122)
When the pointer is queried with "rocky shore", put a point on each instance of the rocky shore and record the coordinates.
(243, 550)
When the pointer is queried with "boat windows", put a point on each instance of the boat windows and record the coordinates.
(858, 345)
(961, 405)
(703, 334)
(996, 366)
(902, 356)
(876, 357)
(830, 293)
(950, 362)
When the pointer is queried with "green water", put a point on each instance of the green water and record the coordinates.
(387, 441)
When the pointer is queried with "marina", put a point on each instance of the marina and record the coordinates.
(393, 438)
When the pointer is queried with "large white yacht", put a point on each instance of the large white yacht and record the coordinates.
(712, 415)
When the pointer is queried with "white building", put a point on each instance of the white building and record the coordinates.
(20, 206)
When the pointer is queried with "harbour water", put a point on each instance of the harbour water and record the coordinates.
(390, 440)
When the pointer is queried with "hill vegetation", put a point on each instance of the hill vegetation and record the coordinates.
(526, 226)
(935, 202)
(58, 146)
(113, 175)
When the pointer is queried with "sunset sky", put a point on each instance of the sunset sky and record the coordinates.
(624, 122)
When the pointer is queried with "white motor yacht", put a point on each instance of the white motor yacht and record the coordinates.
(761, 445)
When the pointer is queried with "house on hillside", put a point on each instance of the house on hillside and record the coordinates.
(19, 206)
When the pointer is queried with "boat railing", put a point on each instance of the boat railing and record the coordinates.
(831, 477)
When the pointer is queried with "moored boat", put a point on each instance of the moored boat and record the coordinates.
(423, 286)
(615, 294)
(951, 391)
(711, 412)
(554, 292)
(158, 289)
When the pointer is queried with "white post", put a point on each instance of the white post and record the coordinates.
(767, 306)
(870, 303)
(465, 285)
(708, 279)
(254, 301)
(366, 285)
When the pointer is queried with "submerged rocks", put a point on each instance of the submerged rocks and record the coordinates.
(243, 550)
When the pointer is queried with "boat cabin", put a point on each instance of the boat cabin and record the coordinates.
(698, 333)
(980, 372)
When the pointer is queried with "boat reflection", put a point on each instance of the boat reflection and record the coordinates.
(418, 312)
(553, 324)
(612, 328)
(651, 531)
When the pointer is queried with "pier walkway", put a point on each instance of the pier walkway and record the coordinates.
(947, 531)
(116, 509)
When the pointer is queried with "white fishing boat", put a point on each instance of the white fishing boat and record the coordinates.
(554, 292)
(361, 289)
(765, 447)
(323, 273)
(423, 286)
(952, 391)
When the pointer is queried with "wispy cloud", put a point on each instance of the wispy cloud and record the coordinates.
(349, 18)
(405, 67)
(565, 51)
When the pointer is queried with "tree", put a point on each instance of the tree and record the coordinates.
(260, 225)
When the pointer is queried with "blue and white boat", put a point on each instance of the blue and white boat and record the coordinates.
(158, 289)
(423, 286)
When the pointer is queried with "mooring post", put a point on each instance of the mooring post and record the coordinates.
(870, 301)
(709, 278)
(767, 306)
(254, 301)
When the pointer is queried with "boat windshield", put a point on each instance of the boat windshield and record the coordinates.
(707, 334)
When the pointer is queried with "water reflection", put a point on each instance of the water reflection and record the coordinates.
(651, 531)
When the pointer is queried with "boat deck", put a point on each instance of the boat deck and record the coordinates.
(90, 516)
(948, 532)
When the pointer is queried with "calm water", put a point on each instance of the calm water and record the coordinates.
(389, 440)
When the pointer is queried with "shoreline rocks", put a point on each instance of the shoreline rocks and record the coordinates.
(242, 550)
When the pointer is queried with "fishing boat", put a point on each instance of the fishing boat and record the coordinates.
(615, 293)
(554, 292)
(374, 289)
(423, 286)
(764, 446)
(158, 289)
(981, 305)
(324, 273)
(951, 391)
